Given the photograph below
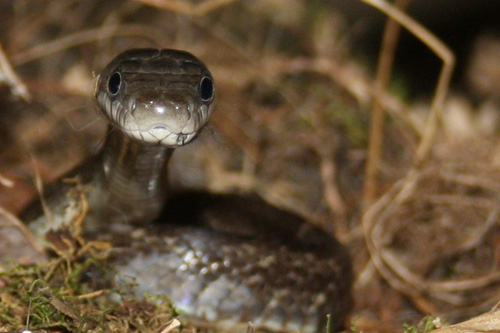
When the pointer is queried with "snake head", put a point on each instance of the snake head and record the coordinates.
(157, 96)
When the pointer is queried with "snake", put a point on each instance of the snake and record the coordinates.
(220, 258)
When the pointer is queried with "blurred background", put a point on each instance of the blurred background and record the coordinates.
(295, 81)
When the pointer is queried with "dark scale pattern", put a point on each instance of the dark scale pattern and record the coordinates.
(273, 281)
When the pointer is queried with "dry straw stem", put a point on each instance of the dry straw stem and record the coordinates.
(87, 36)
(10, 77)
(173, 324)
(6, 181)
(396, 273)
(444, 53)
(13, 221)
(384, 71)
(399, 276)
(328, 171)
(183, 7)
(485, 323)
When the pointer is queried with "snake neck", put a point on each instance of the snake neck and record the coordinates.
(133, 179)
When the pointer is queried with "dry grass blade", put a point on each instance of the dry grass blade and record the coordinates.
(40, 189)
(18, 224)
(250, 328)
(87, 36)
(376, 251)
(384, 70)
(93, 294)
(173, 324)
(236, 133)
(7, 182)
(328, 171)
(398, 274)
(8, 75)
(63, 307)
(448, 58)
(392, 269)
(488, 322)
(184, 7)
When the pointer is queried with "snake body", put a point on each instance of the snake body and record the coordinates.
(220, 258)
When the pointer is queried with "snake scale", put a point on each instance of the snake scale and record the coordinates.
(220, 258)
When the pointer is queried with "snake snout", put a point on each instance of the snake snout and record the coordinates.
(169, 109)
(161, 116)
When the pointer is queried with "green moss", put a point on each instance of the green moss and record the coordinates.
(62, 295)
(426, 325)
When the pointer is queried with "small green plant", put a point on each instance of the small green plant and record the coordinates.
(427, 324)
(353, 327)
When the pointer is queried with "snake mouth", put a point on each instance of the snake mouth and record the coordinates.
(166, 137)
(161, 135)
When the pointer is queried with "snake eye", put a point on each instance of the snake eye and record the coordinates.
(114, 83)
(206, 89)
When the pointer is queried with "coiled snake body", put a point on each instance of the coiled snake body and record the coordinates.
(219, 258)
